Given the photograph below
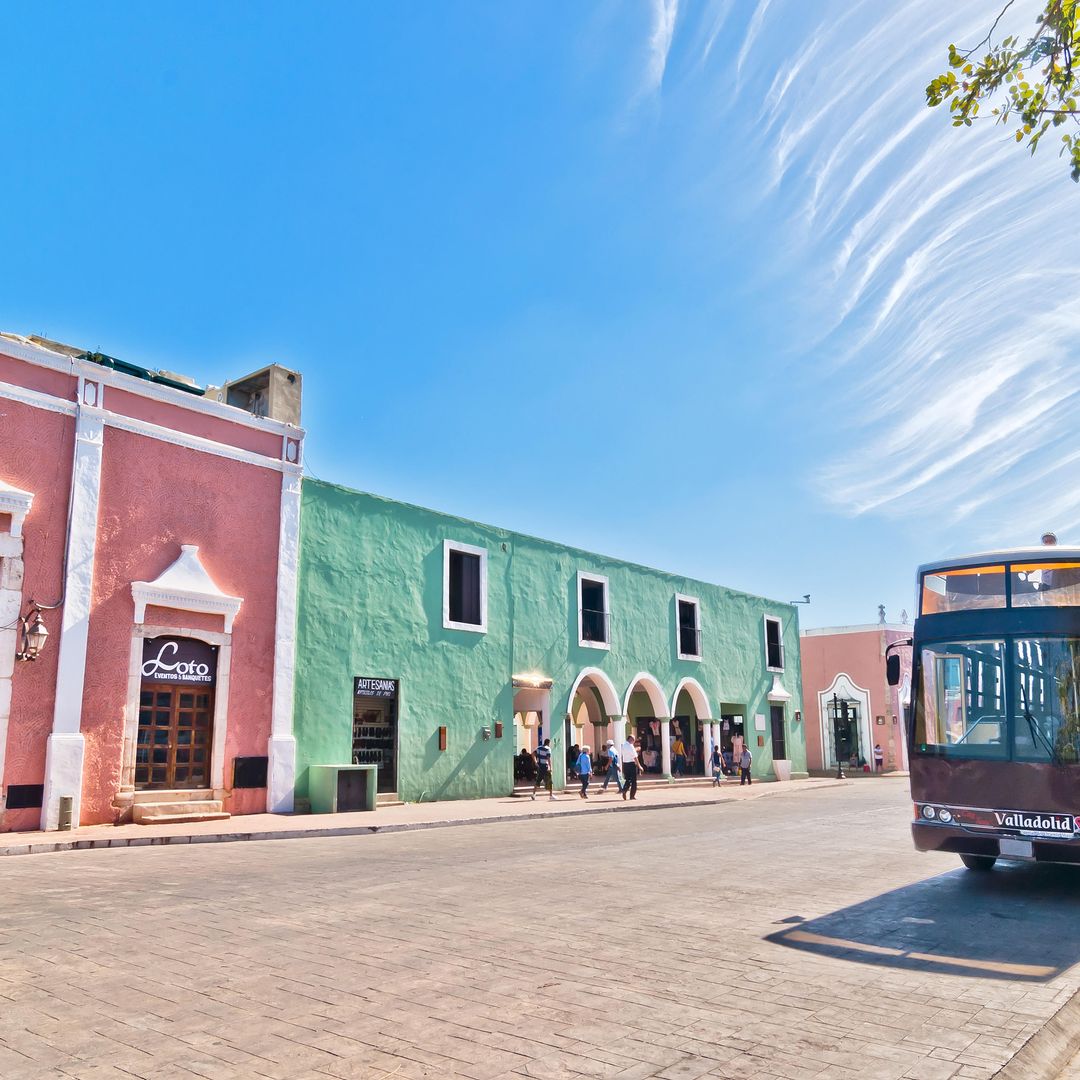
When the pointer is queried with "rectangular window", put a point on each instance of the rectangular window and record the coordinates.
(464, 587)
(971, 588)
(961, 708)
(779, 735)
(688, 613)
(774, 644)
(1047, 584)
(593, 625)
(1046, 700)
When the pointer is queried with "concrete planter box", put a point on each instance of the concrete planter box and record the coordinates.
(782, 769)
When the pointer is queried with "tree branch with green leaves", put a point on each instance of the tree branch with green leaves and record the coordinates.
(1029, 83)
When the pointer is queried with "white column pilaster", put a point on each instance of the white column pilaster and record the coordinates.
(64, 751)
(281, 771)
(665, 746)
(707, 744)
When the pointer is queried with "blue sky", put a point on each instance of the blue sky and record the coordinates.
(702, 285)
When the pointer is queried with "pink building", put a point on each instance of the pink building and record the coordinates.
(849, 705)
(152, 529)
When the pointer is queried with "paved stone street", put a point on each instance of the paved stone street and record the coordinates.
(794, 936)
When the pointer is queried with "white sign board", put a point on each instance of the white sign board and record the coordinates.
(759, 722)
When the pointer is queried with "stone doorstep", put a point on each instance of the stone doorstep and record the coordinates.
(179, 811)
(296, 828)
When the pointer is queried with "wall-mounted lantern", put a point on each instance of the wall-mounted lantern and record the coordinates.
(33, 634)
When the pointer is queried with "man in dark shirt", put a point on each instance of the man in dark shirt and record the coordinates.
(543, 769)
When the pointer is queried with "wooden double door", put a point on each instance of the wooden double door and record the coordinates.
(176, 727)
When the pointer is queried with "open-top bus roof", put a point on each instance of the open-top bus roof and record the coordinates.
(1039, 553)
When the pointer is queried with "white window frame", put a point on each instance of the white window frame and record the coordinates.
(766, 619)
(680, 598)
(596, 579)
(467, 549)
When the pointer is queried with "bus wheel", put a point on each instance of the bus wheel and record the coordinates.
(978, 862)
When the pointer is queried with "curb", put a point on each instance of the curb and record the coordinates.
(305, 833)
(1050, 1050)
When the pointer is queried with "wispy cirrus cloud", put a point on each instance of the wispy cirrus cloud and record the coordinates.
(664, 14)
(936, 306)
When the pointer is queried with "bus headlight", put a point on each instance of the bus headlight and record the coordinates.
(945, 816)
(929, 813)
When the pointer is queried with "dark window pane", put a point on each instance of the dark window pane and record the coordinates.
(774, 649)
(464, 588)
(779, 735)
(688, 632)
(594, 615)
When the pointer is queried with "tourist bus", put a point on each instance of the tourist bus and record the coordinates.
(994, 724)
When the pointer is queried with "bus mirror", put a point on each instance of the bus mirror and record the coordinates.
(892, 669)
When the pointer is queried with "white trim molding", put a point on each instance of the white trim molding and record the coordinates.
(481, 553)
(20, 348)
(697, 696)
(140, 632)
(281, 751)
(765, 620)
(185, 586)
(17, 503)
(603, 685)
(595, 579)
(845, 688)
(653, 689)
(681, 599)
(64, 751)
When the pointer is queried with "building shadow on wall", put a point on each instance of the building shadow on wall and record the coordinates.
(1017, 922)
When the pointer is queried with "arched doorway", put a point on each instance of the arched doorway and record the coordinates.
(647, 717)
(593, 713)
(692, 719)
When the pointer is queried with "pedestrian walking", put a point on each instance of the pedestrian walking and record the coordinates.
(879, 758)
(584, 769)
(745, 761)
(678, 753)
(717, 765)
(612, 757)
(543, 769)
(628, 754)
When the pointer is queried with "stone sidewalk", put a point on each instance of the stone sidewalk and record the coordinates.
(388, 819)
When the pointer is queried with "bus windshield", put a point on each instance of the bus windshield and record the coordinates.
(1003, 698)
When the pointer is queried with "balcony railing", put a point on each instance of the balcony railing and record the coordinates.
(689, 641)
(594, 626)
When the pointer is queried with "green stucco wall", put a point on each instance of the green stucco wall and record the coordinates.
(371, 604)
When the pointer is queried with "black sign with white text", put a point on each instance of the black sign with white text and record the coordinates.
(179, 660)
(381, 688)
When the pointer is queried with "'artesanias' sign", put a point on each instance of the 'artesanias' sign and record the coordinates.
(179, 660)
(375, 687)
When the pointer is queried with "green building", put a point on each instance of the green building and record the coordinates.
(438, 648)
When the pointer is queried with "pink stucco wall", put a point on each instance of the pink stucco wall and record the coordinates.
(60, 384)
(192, 422)
(859, 654)
(37, 452)
(155, 497)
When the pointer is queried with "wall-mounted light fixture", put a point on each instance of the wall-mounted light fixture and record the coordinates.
(33, 635)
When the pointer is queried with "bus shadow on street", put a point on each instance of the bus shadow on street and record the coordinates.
(1016, 922)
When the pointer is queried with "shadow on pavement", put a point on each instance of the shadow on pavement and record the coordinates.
(1018, 921)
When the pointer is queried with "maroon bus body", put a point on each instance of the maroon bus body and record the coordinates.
(995, 787)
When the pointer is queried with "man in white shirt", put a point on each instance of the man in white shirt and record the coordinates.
(629, 755)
